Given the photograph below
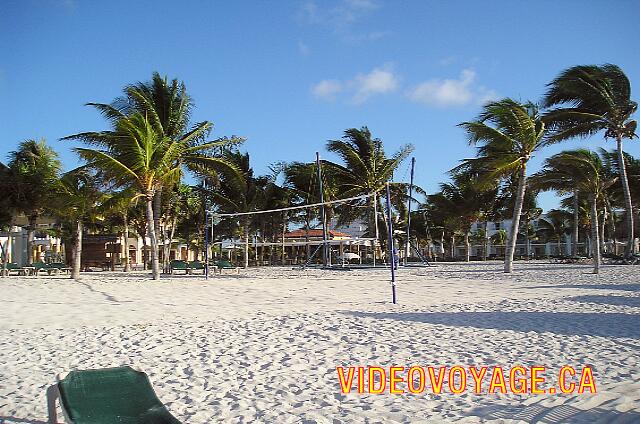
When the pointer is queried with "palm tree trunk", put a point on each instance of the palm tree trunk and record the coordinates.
(31, 233)
(284, 231)
(602, 228)
(485, 255)
(155, 265)
(467, 246)
(127, 265)
(628, 205)
(453, 246)
(576, 224)
(595, 236)
(77, 251)
(172, 234)
(374, 199)
(246, 244)
(612, 228)
(145, 251)
(527, 247)
(515, 221)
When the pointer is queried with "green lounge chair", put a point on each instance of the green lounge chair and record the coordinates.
(179, 266)
(60, 267)
(12, 268)
(42, 267)
(196, 266)
(107, 396)
(222, 264)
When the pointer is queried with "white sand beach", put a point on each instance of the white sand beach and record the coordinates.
(263, 346)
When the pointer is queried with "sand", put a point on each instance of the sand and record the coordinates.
(263, 346)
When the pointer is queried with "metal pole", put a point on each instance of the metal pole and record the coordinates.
(325, 254)
(406, 255)
(391, 247)
(375, 223)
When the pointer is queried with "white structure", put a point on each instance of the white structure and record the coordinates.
(551, 248)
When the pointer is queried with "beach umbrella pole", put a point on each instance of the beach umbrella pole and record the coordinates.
(391, 248)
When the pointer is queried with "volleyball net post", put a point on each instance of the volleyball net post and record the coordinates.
(392, 252)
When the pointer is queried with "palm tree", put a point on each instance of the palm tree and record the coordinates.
(35, 169)
(365, 170)
(77, 197)
(301, 180)
(119, 205)
(553, 225)
(239, 192)
(168, 107)
(561, 179)
(507, 133)
(591, 180)
(589, 99)
(464, 201)
(189, 216)
(135, 155)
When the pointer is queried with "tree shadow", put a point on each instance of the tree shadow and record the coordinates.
(632, 301)
(625, 287)
(554, 415)
(11, 420)
(567, 323)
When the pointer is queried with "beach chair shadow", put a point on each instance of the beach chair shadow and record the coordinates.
(12, 420)
(560, 414)
(110, 395)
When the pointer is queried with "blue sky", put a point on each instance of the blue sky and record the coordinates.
(290, 75)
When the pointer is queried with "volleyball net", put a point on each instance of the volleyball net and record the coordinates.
(329, 233)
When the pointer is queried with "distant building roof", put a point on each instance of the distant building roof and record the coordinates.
(99, 238)
(315, 234)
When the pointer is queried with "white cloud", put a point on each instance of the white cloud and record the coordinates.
(451, 92)
(378, 81)
(361, 87)
(327, 89)
(341, 17)
(447, 92)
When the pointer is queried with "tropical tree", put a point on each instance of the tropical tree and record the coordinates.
(591, 180)
(554, 226)
(301, 180)
(365, 170)
(464, 201)
(76, 201)
(239, 192)
(34, 170)
(588, 99)
(189, 216)
(133, 154)
(119, 205)
(168, 107)
(558, 178)
(507, 134)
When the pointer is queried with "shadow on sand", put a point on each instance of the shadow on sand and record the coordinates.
(567, 323)
(554, 415)
(624, 287)
(11, 420)
(632, 301)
